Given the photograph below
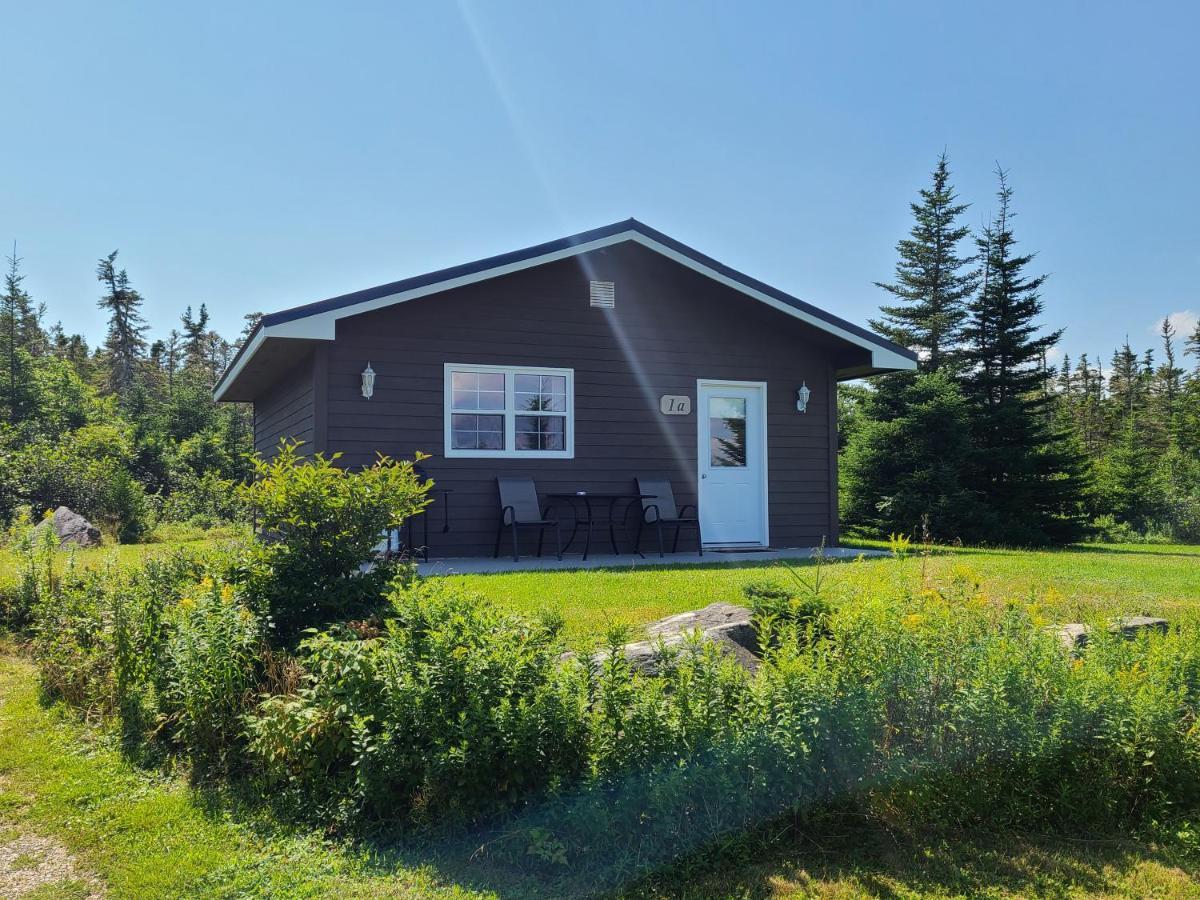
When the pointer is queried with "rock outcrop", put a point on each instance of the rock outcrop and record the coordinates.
(71, 528)
(1074, 635)
(724, 624)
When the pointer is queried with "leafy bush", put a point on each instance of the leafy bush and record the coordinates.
(213, 660)
(100, 635)
(1107, 529)
(455, 708)
(35, 577)
(799, 609)
(87, 470)
(321, 525)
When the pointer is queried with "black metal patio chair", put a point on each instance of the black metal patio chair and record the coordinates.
(658, 509)
(519, 509)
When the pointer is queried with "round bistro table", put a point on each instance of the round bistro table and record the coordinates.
(593, 502)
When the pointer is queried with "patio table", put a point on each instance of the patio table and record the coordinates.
(423, 515)
(592, 502)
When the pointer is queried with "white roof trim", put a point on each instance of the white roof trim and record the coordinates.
(323, 326)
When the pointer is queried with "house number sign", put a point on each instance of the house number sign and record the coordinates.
(675, 405)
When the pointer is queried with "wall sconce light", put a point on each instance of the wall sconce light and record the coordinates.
(368, 381)
(802, 396)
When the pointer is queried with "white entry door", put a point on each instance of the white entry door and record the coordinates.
(731, 421)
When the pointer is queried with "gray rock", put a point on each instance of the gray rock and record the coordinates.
(71, 528)
(1132, 626)
(1074, 635)
(724, 624)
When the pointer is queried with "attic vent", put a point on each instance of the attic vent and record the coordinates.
(604, 294)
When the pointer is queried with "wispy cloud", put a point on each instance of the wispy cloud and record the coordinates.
(1184, 321)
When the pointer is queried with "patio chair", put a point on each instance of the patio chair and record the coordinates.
(660, 510)
(519, 509)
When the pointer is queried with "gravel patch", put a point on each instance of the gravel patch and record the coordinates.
(30, 862)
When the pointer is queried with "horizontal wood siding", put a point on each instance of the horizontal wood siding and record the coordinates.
(670, 327)
(286, 410)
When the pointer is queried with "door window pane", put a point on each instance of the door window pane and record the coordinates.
(541, 433)
(477, 432)
(727, 432)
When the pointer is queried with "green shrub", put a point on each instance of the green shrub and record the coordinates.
(321, 525)
(202, 500)
(456, 708)
(799, 609)
(88, 471)
(35, 577)
(213, 662)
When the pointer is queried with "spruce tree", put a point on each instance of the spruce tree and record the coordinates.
(1124, 382)
(1024, 469)
(18, 329)
(126, 343)
(904, 458)
(1168, 382)
(1192, 348)
(933, 281)
(195, 337)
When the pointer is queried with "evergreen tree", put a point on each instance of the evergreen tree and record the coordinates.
(1124, 382)
(17, 330)
(933, 281)
(195, 337)
(251, 321)
(171, 359)
(1168, 382)
(1023, 469)
(1192, 348)
(126, 342)
(905, 459)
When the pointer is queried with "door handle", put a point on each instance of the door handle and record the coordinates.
(705, 475)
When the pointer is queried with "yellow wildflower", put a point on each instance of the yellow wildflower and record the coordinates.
(187, 603)
(206, 583)
(227, 593)
(913, 621)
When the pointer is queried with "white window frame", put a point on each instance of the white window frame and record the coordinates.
(510, 413)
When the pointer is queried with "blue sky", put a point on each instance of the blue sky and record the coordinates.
(260, 155)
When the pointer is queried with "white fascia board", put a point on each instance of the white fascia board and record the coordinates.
(230, 376)
(322, 326)
(882, 358)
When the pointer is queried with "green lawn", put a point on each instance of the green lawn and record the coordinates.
(1070, 584)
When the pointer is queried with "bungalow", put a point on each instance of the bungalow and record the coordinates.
(583, 363)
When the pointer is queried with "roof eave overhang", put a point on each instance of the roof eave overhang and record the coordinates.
(319, 321)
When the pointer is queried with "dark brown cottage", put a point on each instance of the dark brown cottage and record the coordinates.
(583, 363)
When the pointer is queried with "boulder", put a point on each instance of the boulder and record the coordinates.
(724, 624)
(71, 528)
(1132, 626)
(1074, 635)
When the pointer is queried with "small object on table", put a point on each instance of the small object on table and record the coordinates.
(591, 501)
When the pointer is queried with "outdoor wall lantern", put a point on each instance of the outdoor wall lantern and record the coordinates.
(802, 396)
(368, 381)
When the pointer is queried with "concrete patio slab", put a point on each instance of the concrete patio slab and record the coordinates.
(631, 561)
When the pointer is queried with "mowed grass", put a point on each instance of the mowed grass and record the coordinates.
(1076, 583)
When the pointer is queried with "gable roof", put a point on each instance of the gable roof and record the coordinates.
(317, 321)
